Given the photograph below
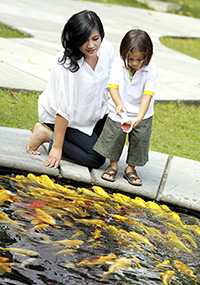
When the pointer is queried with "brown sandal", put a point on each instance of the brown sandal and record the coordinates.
(109, 174)
(133, 178)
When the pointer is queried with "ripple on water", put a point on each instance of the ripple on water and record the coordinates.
(62, 234)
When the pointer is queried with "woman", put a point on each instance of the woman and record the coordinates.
(74, 104)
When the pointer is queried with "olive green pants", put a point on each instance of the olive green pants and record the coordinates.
(112, 139)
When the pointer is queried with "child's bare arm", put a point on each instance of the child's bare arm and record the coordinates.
(146, 99)
(114, 92)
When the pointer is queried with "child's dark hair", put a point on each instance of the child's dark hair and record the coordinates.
(76, 32)
(136, 40)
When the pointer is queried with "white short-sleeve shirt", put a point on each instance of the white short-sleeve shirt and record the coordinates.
(80, 97)
(132, 89)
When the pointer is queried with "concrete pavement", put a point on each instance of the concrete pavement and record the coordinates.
(172, 180)
(26, 63)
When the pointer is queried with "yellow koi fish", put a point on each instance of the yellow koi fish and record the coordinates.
(119, 264)
(5, 265)
(98, 260)
(91, 222)
(167, 276)
(4, 218)
(6, 196)
(182, 267)
(72, 243)
(176, 242)
(43, 217)
(21, 251)
(164, 264)
(101, 192)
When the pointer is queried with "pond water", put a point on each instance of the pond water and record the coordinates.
(57, 234)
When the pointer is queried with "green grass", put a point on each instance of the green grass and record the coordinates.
(7, 31)
(176, 128)
(131, 3)
(188, 7)
(189, 46)
(18, 109)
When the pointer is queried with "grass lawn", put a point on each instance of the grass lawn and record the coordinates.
(176, 128)
(7, 31)
(18, 109)
(188, 46)
(131, 3)
(188, 7)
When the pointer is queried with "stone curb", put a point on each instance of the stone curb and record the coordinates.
(167, 179)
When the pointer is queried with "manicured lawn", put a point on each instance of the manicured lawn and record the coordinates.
(189, 46)
(188, 7)
(131, 3)
(176, 128)
(7, 31)
(18, 109)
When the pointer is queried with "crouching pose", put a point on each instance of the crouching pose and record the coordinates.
(73, 107)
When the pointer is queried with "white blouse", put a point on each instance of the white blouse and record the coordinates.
(79, 97)
(132, 89)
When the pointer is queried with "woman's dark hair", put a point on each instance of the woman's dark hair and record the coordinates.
(76, 32)
(136, 40)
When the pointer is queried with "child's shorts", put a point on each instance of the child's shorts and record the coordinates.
(112, 139)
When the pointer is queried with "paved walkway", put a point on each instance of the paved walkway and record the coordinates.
(168, 179)
(26, 63)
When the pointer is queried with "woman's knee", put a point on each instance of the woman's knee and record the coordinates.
(95, 161)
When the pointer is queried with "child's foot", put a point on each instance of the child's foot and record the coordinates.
(109, 174)
(40, 134)
(132, 177)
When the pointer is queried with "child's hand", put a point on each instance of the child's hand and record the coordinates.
(136, 121)
(120, 109)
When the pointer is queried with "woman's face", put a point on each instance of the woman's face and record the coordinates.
(92, 45)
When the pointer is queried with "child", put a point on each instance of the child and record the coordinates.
(132, 87)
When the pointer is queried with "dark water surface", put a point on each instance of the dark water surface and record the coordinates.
(56, 234)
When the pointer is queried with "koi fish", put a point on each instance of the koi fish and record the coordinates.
(119, 264)
(164, 264)
(100, 209)
(91, 222)
(101, 192)
(4, 218)
(6, 196)
(87, 192)
(194, 228)
(167, 276)
(190, 240)
(43, 217)
(20, 251)
(37, 204)
(182, 267)
(72, 243)
(139, 238)
(41, 227)
(176, 242)
(5, 265)
(98, 260)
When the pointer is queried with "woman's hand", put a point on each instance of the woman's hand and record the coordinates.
(54, 157)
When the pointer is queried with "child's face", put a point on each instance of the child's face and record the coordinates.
(135, 60)
(92, 45)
